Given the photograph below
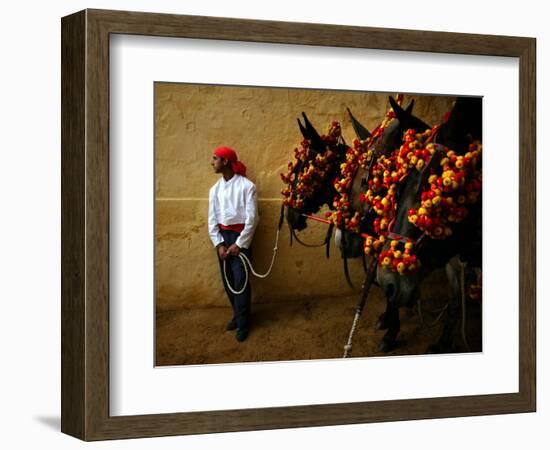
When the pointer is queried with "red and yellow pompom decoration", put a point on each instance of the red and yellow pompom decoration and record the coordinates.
(372, 245)
(341, 216)
(314, 172)
(403, 261)
(453, 187)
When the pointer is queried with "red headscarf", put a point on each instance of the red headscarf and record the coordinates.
(228, 153)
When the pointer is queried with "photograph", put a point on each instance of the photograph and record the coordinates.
(273, 224)
(307, 224)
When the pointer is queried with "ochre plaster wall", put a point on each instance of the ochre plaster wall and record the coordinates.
(260, 124)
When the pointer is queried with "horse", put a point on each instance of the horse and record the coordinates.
(462, 247)
(310, 178)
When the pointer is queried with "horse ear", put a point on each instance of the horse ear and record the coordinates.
(309, 126)
(399, 112)
(316, 141)
(410, 107)
(303, 130)
(406, 119)
(360, 131)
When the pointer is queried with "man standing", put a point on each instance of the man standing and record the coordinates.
(232, 220)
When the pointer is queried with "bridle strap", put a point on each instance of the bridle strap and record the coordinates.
(345, 258)
(293, 234)
(282, 216)
(305, 244)
(327, 238)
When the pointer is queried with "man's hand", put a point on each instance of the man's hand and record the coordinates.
(233, 250)
(222, 251)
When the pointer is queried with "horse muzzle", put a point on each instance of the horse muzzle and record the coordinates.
(295, 219)
(401, 290)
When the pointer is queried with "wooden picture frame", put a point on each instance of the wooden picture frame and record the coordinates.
(85, 224)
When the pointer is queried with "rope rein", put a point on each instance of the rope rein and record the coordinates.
(439, 313)
(248, 266)
(349, 345)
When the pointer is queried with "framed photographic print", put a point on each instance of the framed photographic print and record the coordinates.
(185, 170)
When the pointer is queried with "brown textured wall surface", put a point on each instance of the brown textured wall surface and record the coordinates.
(260, 124)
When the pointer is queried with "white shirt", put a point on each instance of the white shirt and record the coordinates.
(230, 203)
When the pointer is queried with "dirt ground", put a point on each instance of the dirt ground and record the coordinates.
(299, 330)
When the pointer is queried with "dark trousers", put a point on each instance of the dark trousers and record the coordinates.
(236, 276)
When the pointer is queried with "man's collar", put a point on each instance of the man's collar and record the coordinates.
(230, 180)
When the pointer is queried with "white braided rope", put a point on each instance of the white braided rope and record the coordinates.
(247, 264)
(348, 346)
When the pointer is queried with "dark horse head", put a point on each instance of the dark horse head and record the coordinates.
(316, 167)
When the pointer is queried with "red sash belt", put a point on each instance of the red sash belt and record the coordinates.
(238, 227)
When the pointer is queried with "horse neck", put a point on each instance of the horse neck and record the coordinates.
(407, 199)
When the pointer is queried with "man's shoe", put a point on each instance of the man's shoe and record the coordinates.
(241, 335)
(231, 325)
